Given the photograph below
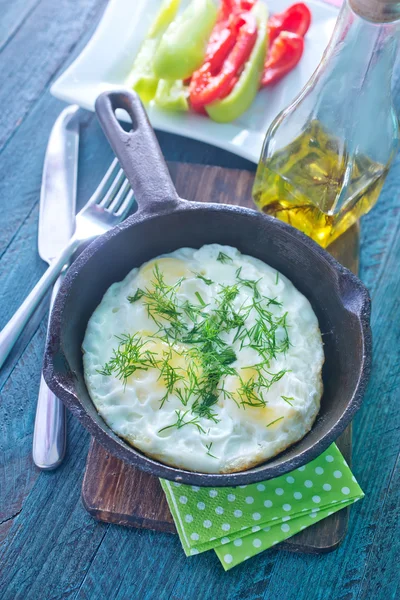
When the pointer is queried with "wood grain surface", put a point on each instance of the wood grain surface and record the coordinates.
(50, 548)
(117, 493)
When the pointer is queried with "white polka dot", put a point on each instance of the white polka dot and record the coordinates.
(194, 551)
(195, 488)
(286, 518)
(201, 505)
(213, 493)
(274, 519)
(279, 491)
(183, 499)
(337, 474)
(319, 470)
(195, 536)
(353, 479)
(231, 497)
(256, 516)
(275, 542)
(207, 523)
(286, 507)
(249, 500)
(219, 510)
(228, 558)
(225, 526)
(261, 487)
(345, 490)
(290, 479)
(188, 518)
(242, 487)
(343, 501)
(285, 527)
(301, 468)
(256, 543)
(212, 539)
(303, 527)
(308, 483)
(329, 458)
(237, 513)
(313, 514)
(255, 528)
(316, 499)
(266, 529)
(304, 509)
(177, 484)
(330, 513)
(298, 495)
(327, 487)
(267, 503)
(246, 557)
(237, 542)
(225, 540)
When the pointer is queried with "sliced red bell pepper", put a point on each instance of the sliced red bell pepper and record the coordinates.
(226, 55)
(296, 19)
(229, 7)
(284, 54)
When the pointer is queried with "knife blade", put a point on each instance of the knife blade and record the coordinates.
(56, 226)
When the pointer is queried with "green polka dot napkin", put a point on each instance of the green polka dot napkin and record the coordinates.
(243, 521)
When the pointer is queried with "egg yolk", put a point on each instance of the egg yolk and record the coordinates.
(172, 269)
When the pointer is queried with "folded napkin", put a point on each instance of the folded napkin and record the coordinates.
(240, 522)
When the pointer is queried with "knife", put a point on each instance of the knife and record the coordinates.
(56, 226)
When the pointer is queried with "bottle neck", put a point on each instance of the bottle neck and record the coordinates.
(377, 11)
(353, 81)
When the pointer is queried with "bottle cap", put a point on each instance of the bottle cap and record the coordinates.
(377, 11)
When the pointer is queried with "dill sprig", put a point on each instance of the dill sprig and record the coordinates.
(129, 356)
(273, 422)
(209, 446)
(180, 422)
(288, 399)
(205, 279)
(224, 258)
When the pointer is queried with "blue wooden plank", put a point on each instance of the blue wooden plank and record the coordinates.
(38, 49)
(13, 15)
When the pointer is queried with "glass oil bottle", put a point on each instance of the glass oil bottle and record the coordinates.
(325, 157)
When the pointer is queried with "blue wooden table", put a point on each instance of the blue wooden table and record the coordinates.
(50, 547)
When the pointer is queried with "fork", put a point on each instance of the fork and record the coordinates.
(108, 206)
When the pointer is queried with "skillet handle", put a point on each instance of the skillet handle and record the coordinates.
(138, 150)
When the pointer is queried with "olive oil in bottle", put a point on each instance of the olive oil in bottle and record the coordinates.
(303, 183)
(326, 156)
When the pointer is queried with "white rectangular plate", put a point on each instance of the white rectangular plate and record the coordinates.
(105, 62)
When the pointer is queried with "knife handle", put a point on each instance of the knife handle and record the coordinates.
(50, 431)
(12, 331)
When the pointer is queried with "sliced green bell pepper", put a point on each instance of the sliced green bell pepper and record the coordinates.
(172, 95)
(240, 99)
(142, 77)
(183, 45)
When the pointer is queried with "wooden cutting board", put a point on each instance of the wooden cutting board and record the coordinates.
(115, 492)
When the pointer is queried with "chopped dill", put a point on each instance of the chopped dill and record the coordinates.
(180, 422)
(206, 281)
(136, 296)
(288, 399)
(273, 422)
(224, 258)
(209, 446)
(277, 278)
(209, 337)
(128, 357)
(200, 299)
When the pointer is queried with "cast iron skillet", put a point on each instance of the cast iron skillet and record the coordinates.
(163, 223)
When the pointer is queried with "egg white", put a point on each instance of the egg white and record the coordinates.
(243, 435)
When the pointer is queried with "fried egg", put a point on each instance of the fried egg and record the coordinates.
(207, 360)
